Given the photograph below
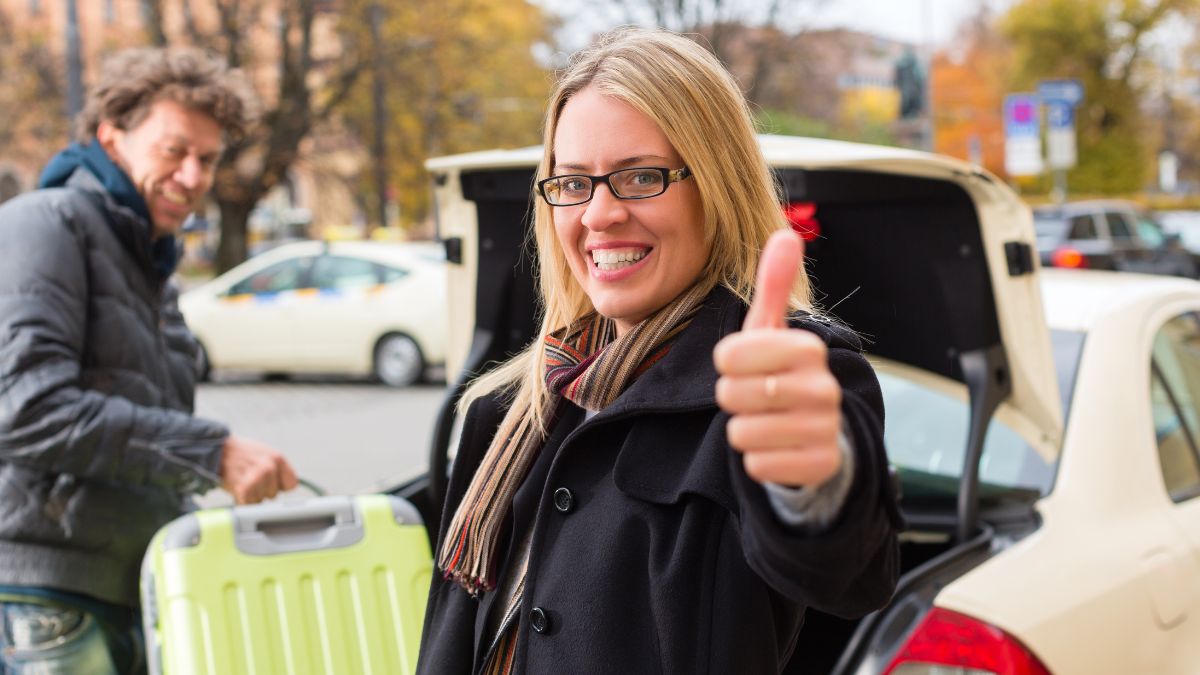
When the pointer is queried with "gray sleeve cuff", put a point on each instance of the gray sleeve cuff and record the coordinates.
(815, 508)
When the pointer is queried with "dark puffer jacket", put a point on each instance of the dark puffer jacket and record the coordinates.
(98, 447)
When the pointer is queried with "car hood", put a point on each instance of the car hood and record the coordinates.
(1007, 305)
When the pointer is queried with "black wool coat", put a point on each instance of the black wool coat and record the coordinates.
(652, 551)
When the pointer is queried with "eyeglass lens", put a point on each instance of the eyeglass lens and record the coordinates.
(629, 183)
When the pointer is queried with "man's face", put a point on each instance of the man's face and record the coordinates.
(171, 156)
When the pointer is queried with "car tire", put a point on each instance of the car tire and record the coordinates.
(398, 361)
(203, 366)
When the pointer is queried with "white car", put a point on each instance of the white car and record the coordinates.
(1033, 544)
(1088, 560)
(351, 308)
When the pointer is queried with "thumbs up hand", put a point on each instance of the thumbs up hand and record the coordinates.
(785, 404)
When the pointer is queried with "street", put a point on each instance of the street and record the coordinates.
(347, 437)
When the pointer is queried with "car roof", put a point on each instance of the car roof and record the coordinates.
(779, 151)
(1076, 300)
(1086, 206)
(428, 251)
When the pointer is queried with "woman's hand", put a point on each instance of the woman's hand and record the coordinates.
(776, 384)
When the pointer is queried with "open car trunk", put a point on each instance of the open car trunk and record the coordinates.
(930, 261)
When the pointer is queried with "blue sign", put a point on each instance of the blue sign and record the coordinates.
(1021, 118)
(1066, 91)
(1060, 115)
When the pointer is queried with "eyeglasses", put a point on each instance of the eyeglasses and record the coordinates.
(636, 183)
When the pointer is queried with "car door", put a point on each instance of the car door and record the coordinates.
(252, 324)
(1083, 236)
(337, 320)
(1175, 400)
(1130, 254)
(1167, 253)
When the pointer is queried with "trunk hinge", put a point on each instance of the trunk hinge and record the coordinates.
(988, 383)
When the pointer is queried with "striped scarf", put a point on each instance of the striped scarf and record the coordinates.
(589, 365)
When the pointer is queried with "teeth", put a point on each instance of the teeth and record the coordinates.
(175, 198)
(615, 259)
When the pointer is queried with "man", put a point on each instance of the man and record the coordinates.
(98, 446)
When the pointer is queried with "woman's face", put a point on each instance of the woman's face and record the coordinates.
(631, 257)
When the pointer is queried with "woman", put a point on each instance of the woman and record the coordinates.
(604, 513)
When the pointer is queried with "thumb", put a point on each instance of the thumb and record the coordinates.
(777, 270)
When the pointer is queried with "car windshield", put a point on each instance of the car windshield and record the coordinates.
(926, 437)
(1050, 227)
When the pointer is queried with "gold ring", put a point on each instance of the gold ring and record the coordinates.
(772, 387)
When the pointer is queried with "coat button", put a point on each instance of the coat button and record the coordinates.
(563, 500)
(539, 620)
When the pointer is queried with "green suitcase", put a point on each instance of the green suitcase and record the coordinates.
(329, 586)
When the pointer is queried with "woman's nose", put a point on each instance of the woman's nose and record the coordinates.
(605, 210)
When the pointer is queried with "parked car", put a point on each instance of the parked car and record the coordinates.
(1185, 224)
(350, 308)
(1109, 235)
(1031, 547)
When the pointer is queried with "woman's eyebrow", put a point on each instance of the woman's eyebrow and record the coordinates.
(628, 161)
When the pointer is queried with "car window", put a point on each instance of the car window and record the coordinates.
(1049, 226)
(1083, 227)
(391, 274)
(1174, 395)
(340, 272)
(1151, 232)
(282, 276)
(926, 435)
(1118, 227)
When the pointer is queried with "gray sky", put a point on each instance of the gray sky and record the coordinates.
(915, 21)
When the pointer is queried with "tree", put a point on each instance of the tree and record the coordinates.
(459, 75)
(1101, 43)
(300, 83)
(29, 71)
(968, 83)
(754, 56)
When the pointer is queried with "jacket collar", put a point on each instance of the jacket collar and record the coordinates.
(685, 379)
(90, 169)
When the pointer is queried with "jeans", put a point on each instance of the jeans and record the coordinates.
(46, 639)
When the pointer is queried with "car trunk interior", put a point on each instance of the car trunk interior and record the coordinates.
(898, 259)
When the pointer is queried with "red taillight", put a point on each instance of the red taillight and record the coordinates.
(803, 218)
(1069, 257)
(946, 638)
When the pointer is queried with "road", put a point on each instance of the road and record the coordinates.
(348, 437)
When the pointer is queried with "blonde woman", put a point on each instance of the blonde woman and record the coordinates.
(686, 459)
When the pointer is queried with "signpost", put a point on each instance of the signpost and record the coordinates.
(1060, 98)
(1022, 135)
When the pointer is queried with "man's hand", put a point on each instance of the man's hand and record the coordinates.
(253, 471)
(776, 384)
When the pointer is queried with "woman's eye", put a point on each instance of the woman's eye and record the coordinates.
(574, 184)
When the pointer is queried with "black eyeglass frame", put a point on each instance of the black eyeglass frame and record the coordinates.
(669, 176)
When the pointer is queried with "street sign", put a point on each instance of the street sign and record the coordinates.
(1067, 91)
(1022, 135)
(1060, 134)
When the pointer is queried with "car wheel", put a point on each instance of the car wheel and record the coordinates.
(398, 361)
(203, 367)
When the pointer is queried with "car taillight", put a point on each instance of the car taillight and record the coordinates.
(802, 216)
(1069, 257)
(949, 642)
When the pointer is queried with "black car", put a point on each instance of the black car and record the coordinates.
(1108, 235)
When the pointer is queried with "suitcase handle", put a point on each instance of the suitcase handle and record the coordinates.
(320, 523)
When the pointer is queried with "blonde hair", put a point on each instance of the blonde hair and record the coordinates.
(701, 110)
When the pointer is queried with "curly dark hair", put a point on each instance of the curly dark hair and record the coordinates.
(132, 80)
